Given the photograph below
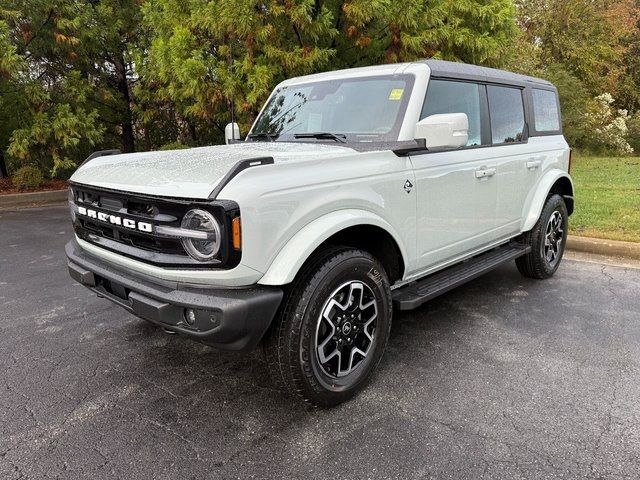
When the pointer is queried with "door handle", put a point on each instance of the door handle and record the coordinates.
(533, 164)
(484, 172)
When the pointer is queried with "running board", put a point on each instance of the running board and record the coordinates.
(415, 294)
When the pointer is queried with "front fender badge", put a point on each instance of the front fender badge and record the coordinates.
(408, 186)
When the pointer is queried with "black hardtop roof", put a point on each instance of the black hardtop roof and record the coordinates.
(464, 71)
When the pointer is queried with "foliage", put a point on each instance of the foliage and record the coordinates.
(11, 98)
(69, 91)
(633, 134)
(209, 57)
(28, 177)
(10, 61)
(607, 126)
(80, 75)
(586, 48)
(107, 35)
(590, 39)
(59, 121)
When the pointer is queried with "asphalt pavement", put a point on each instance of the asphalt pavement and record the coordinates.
(503, 378)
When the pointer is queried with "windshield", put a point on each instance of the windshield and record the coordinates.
(362, 109)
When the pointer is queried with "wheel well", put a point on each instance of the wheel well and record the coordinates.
(563, 188)
(374, 240)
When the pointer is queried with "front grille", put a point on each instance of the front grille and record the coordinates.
(150, 212)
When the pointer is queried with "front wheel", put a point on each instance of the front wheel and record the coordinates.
(333, 327)
(547, 239)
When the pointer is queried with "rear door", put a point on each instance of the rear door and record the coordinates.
(518, 165)
(456, 189)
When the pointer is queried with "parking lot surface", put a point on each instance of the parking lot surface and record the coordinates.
(502, 378)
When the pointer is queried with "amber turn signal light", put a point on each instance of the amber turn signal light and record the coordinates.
(236, 228)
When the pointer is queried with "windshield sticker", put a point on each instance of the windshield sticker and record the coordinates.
(396, 94)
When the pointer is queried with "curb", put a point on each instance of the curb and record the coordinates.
(600, 246)
(32, 199)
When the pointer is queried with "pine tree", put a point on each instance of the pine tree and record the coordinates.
(71, 87)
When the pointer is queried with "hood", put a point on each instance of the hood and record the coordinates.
(190, 173)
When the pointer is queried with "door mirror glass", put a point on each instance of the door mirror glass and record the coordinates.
(446, 130)
(231, 132)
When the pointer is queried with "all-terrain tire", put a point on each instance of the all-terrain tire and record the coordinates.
(547, 240)
(291, 346)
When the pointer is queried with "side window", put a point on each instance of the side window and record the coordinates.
(507, 114)
(445, 96)
(545, 111)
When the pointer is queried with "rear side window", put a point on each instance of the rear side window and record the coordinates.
(444, 96)
(507, 114)
(545, 111)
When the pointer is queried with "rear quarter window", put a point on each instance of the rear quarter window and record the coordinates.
(545, 111)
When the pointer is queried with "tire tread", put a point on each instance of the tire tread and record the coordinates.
(532, 265)
(281, 346)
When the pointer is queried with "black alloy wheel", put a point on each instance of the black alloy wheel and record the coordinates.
(547, 239)
(332, 327)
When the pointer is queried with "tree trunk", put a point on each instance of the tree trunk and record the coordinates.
(3, 166)
(192, 132)
(126, 138)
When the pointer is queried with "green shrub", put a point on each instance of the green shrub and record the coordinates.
(633, 133)
(28, 177)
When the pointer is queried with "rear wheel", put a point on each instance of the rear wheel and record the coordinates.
(332, 328)
(547, 239)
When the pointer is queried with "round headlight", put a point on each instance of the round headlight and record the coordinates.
(207, 247)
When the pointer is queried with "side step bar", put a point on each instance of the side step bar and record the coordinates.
(416, 293)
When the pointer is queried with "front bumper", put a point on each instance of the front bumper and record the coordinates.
(228, 318)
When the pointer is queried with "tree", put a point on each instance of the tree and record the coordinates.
(59, 122)
(10, 66)
(210, 57)
(109, 35)
(46, 99)
(588, 38)
(586, 49)
(629, 88)
(72, 91)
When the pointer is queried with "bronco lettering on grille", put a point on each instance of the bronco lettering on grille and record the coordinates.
(115, 220)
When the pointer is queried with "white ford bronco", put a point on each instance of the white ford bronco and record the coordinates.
(354, 193)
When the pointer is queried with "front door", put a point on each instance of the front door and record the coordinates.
(457, 197)
(457, 189)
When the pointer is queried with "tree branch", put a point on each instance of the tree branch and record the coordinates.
(295, 29)
(49, 17)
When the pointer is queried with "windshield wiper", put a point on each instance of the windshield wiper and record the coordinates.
(263, 136)
(338, 137)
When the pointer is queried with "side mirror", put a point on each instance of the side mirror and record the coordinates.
(447, 130)
(231, 132)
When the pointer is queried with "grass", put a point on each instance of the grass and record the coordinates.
(607, 198)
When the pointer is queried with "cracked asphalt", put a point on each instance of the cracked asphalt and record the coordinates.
(503, 378)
